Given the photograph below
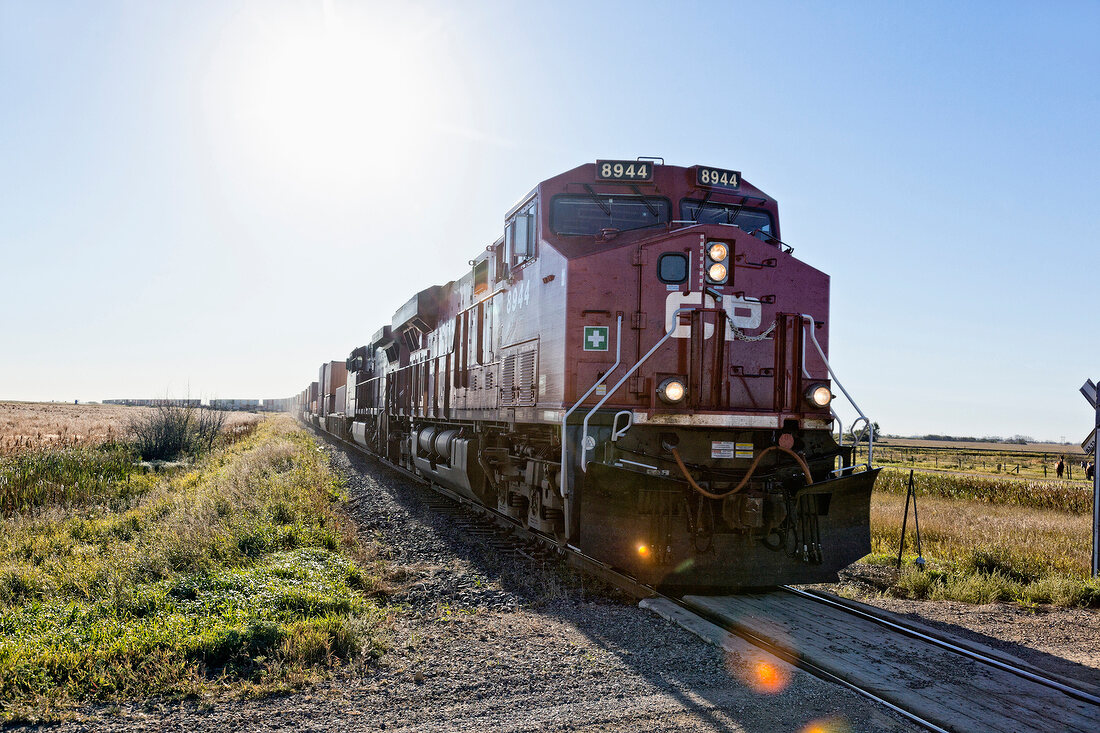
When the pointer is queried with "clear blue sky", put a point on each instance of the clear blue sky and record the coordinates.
(212, 197)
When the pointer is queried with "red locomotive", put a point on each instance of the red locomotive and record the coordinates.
(636, 369)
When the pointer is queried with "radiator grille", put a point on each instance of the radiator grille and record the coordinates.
(526, 393)
(508, 381)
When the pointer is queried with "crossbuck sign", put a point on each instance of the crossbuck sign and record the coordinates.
(1088, 389)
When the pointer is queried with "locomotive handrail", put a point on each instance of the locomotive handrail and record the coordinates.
(565, 418)
(613, 390)
(616, 431)
(832, 408)
(840, 426)
(808, 319)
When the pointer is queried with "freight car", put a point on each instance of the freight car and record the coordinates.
(636, 369)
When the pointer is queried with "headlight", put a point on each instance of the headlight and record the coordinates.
(718, 267)
(671, 391)
(819, 395)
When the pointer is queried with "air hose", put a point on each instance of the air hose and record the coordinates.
(744, 481)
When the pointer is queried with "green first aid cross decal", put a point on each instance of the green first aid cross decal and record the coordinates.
(595, 338)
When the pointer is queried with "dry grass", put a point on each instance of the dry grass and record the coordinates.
(1072, 449)
(1027, 542)
(977, 552)
(38, 425)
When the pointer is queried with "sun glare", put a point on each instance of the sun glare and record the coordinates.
(326, 99)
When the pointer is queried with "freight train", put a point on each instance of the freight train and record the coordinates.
(636, 370)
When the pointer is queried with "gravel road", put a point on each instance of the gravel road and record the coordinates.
(485, 640)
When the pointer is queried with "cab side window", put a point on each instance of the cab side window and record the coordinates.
(672, 267)
(481, 277)
(521, 235)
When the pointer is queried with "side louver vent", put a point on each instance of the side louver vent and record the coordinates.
(508, 392)
(527, 392)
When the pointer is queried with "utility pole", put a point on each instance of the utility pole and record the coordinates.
(1092, 445)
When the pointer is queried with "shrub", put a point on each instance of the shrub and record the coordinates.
(20, 583)
(1062, 591)
(170, 432)
(914, 584)
(990, 560)
(979, 588)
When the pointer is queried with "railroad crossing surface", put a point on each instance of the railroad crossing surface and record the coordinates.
(950, 690)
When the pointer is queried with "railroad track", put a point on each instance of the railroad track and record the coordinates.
(937, 682)
(934, 681)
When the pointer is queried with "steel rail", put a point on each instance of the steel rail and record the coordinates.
(1053, 684)
(801, 662)
(631, 586)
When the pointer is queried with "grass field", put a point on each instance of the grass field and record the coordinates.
(38, 425)
(969, 445)
(988, 539)
(1021, 464)
(237, 572)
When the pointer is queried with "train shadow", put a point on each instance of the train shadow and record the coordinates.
(707, 686)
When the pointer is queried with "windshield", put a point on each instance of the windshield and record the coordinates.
(750, 220)
(590, 214)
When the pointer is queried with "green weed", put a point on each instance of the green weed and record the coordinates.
(1059, 495)
(66, 476)
(242, 570)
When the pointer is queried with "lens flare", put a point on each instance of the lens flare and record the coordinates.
(643, 551)
(766, 675)
(827, 725)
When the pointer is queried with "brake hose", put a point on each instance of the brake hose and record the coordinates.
(744, 481)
